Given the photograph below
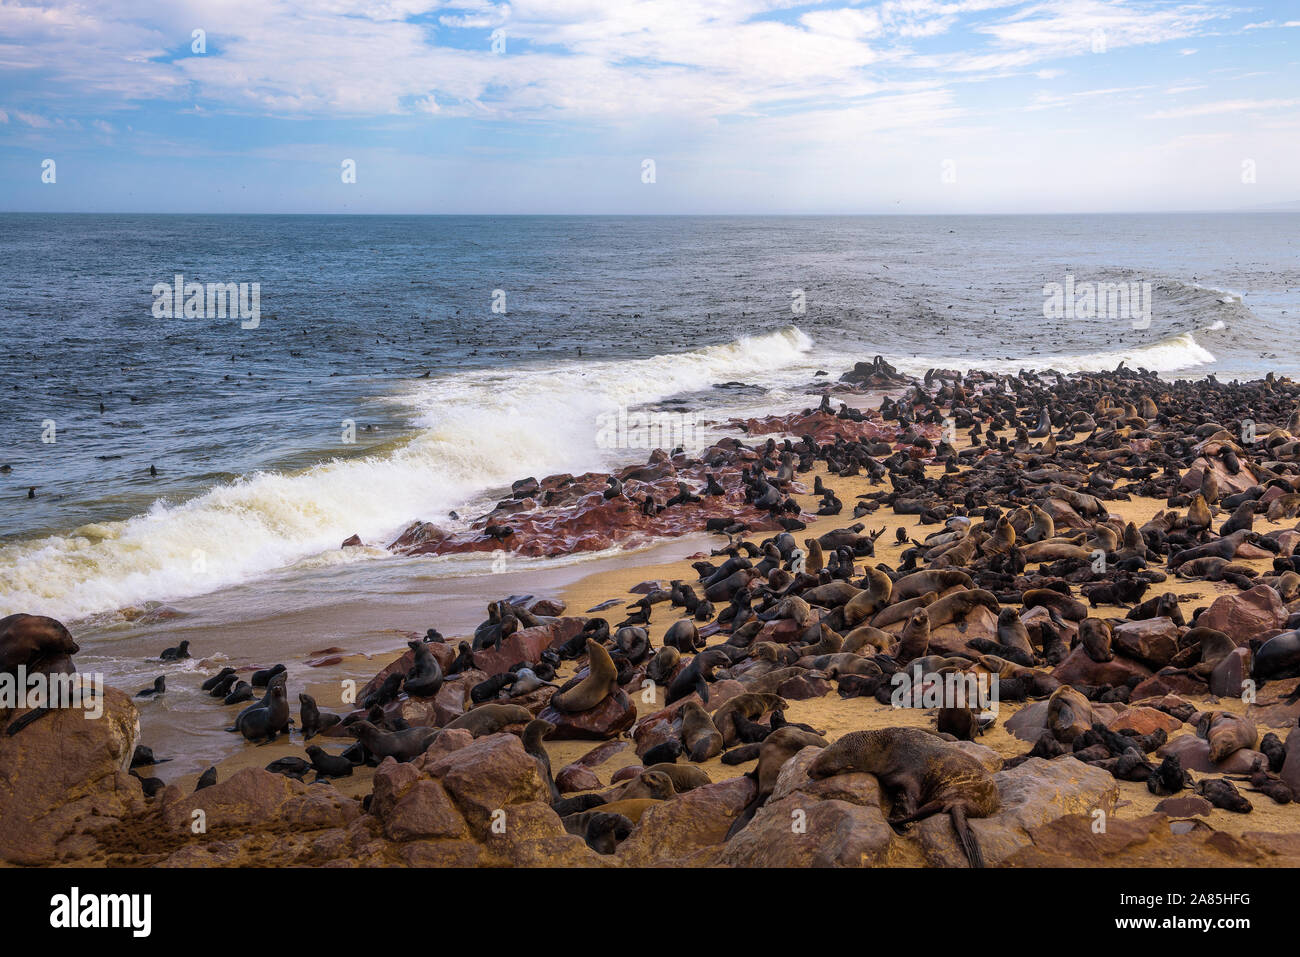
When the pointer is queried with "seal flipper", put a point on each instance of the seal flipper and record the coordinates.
(967, 837)
(745, 817)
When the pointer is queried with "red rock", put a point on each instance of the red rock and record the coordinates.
(1078, 668)
(1246, 615)
(351, 541)
(1154, 642)
(608, 719)
(802, 688)
(576, 777)
(601, 753)
(1166, 682)
(324, 662)
(527, 644)
(1227, 679)
(1185, 806)
(1144, 721)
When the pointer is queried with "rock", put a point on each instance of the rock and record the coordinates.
(1032, 794)
(527, 644)
(1169, 681)
(801, 688)
(411, 805)
(690, 829)
(1154, 642)
(1144, 721)
(1229, 675)
(1194, 755)
(352, 541)
(614, 715)
(489, 774)
(802, 831)
(1079, 669)
(1246, 615)
(256, 797)
(576, 777)
(1188, 806)
(1290, 772)
(64, 773)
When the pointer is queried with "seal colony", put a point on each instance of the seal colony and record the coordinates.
(1111, 555)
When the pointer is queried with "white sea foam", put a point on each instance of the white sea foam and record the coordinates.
(1172, 354)
(477, 431)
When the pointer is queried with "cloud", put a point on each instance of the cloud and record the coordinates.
(1223, 106)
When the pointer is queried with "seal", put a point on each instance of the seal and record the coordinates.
(663, 665)
(216, 679)
(178, 653)
(267, 718)
(402, 746)
(242, 691)
(534, 732)
(1279, 657)
(600, 683)
(328, 765)
(924, 775)
(310, 718)
(696, 676)
(491, 718)
(700, 737)
(262, 679)
(777, 748)
(424, 678)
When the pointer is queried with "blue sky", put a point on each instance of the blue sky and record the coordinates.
(745, 106)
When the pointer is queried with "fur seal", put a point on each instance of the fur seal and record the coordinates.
(777, 748)
(600, 683)
(701, 739)
(263, 678)
(329, 765)
(923, 773)
(268, 717)
(424, 678)
(696, 676)
(402, 746)
(179, 653)
(491, 718)
(311, 719)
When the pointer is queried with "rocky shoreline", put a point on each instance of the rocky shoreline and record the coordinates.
(1116, 551)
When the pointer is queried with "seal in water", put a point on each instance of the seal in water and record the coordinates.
(924, 774)
(268, 717)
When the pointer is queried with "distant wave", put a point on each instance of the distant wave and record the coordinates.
(1172, 354)
(478, 431)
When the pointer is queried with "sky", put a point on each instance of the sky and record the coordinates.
(648, 106)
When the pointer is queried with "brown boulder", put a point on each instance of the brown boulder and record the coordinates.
(1246, 615)
(614, 715)
(1154, 642)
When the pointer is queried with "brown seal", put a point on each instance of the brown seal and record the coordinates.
(924, 775)
(600, 683)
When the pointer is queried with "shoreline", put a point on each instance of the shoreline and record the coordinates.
(582, 589)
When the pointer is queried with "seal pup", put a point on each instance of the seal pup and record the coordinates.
(402, 746)
(216, 679)
(178, 653)
(700, 737)
(924, 774)
(159, 687)
(263, 678)
(311, 719)
(328, 765)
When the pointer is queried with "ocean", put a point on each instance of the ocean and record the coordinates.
(405, 368)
